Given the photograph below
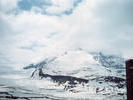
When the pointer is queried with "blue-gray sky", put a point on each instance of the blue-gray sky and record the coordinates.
(32, 29)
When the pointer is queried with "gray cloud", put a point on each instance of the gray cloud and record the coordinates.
(116, 24)
(115, 15)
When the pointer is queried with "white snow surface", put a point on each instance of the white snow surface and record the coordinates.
(72, 63)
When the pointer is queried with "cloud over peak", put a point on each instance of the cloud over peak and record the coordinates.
(53, 27)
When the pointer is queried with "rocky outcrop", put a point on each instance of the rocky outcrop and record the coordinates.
(61, 79)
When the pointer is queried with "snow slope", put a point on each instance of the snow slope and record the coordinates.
(106, 73)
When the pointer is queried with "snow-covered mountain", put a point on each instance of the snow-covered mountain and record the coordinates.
(110, 60)
(105, 73)
(75, 62)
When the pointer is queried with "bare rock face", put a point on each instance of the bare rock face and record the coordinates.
(60, 78)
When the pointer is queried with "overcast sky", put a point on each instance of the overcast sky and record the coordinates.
(34, 29)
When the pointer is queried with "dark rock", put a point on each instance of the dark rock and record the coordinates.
(61, 79)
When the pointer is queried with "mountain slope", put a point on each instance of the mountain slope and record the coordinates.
(105, 73)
